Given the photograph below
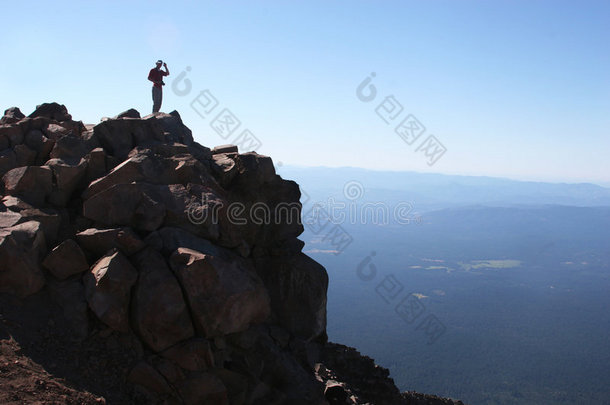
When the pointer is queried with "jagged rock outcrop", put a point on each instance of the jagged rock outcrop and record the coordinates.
(178, 264)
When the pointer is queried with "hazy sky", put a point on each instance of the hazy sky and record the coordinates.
(518, 89)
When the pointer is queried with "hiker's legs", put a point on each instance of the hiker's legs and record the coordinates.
(157, 96)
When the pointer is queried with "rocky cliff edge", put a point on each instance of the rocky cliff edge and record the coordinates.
(137, 266)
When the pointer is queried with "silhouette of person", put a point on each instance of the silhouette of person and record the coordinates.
(156, 76)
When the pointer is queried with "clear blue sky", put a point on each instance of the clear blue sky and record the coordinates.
(518, 89)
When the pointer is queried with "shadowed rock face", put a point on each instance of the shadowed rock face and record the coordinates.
(186, 255)
(21, 248)
(225, 295)
(107, 289)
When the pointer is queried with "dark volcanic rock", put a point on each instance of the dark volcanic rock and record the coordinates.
(297, 286)
(11, 115)
(11, 135)
(31, 183)
(99, 241)
(21, 248)
(224, 149)
(225, 296)
(67, 179)
(108, 289)
(69, 148)
(160, 314)
(131, 113)
(193, 355)
(24, 155)
(65, 260)
(137, 205)
(172, 126)
(96, 164)
(144, 167)
(199, 292)
(8, 160)
(54, 111)
(49, 219)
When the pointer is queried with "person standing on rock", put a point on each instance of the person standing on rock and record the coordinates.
(156, 76)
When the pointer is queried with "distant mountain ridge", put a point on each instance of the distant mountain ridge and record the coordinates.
(432, 191)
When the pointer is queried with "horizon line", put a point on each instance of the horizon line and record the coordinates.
(602, 184)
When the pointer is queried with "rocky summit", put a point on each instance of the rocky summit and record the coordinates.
(138, 266)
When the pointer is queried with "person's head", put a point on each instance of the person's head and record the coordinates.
(159, 63)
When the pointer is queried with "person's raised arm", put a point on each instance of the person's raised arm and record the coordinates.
(166, 69)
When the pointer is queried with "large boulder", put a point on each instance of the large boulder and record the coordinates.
(130, 170)
(66, 259)
(159, 312)
(49, 219)
(271, 211)
(137, 205)
(297, 286)
(70, 148)
(146, 207)
(21, 248)
(255, 169)
(131, 113)
(54, 131)
(119, 136)
(225, 295)
(108, 289)
(54, 111)
(173, 128)
(224, 167)
(154, 169)
(31, 183)
(99, 241)
(11, 115)
(67, 179)
(224, 149)
(202, 209)
(96, 164)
